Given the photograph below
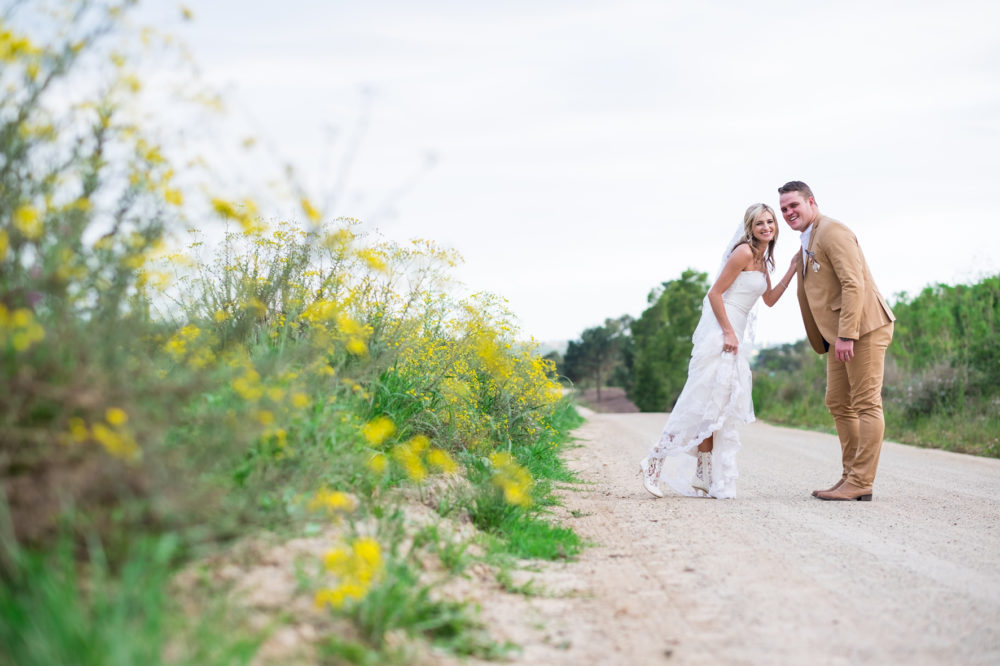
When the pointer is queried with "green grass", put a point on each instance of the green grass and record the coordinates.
(973, 428)
(526, 535)
(401, 602)
(57, 609)
(970, 428)
(526, 532)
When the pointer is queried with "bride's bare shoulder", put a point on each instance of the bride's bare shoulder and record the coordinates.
(742, 254)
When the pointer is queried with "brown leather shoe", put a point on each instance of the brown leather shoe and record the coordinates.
(846, 493)
(831, 488)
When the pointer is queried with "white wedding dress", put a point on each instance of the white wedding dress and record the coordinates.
(716, 397)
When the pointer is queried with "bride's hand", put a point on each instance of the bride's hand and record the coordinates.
(730, 343)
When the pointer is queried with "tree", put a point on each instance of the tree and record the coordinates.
(662, 341)
(597, 354)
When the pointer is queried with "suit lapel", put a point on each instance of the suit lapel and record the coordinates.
(809, 250)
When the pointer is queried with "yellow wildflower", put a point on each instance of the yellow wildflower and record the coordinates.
(378, 462)
(28, 222)
(348, 326)
(356, 568)
(408, 456)
(442, 460)
(133, 84)
(115, 416)
(14, 46)
(300, 400)
(173, 196)
(419, 443)
(374, 259)
(310, 210)
(20, 324)
(357, 347)
(245, 213)
(513, 479)
(378, 430)
(333, 501)
(368, 556)
(248, 385)
(117, 443)
(78, 429)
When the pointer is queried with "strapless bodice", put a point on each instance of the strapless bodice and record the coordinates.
(745, 290)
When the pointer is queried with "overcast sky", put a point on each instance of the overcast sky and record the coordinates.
(577, 154)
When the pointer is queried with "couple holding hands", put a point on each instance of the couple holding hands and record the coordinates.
(845, 317)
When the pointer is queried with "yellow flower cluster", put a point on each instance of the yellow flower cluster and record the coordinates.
(112, 434)
(513, 479)
(274, 402)
(378, 430)
(192, 345)
(14, 47)
(356, 566)
(243, 213)
(409, 456)
(248, 384)
(414, 455)
(28, 221)
(329, 325)
(378, 463)
(495, 389)
(333, 502)
(19, 328)
(442, 460)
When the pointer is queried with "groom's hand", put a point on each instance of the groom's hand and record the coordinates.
(843, 349)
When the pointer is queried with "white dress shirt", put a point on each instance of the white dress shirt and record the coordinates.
(804, 239)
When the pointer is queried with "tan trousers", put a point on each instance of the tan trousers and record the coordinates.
(854, 398)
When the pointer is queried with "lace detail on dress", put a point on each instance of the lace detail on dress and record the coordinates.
(716, 399)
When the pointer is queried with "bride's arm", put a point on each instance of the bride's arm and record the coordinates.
(772, 295)
(738, 260)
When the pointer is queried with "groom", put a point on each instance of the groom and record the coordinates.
(845, 314)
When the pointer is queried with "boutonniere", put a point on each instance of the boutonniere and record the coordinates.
(812, 261)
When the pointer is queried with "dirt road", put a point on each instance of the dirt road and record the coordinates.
(774, 576)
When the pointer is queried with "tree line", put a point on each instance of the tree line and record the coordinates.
(942, 381)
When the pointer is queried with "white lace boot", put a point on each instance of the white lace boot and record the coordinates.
(650, 470)
(703, 472)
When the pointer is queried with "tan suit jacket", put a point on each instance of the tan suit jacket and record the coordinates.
(837, 294)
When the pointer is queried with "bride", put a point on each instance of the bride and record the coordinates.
(696, 453)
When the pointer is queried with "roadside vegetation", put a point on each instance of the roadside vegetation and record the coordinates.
(199, 402)
(942, 375)
(942, 378)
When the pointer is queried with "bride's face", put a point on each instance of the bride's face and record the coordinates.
(764, 228)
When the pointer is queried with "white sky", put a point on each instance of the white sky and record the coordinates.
(584, 152)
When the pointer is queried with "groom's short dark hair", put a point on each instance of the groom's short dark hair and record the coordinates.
(796, 186)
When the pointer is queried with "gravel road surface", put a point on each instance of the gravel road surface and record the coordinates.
(774, 576)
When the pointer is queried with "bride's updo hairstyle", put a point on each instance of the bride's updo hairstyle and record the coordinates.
(753, 212)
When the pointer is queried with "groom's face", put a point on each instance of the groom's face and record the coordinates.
(798, 211)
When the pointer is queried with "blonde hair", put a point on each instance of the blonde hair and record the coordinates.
(749, 217)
